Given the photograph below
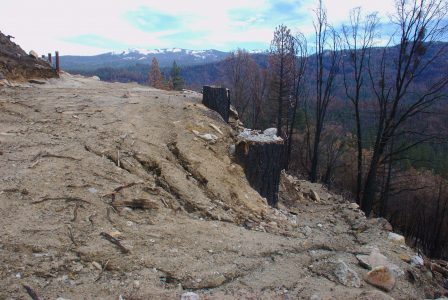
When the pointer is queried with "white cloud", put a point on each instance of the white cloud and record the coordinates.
(45, 25)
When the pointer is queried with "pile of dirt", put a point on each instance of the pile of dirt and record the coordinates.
(112, 190)
(16, 65)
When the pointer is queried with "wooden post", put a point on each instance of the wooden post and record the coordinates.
(217, 98)
(261, 157)
(58, 66)
(49, 58)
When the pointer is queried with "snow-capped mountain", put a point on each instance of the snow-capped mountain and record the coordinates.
(165, 57)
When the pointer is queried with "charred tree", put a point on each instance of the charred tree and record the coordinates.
(262, 163)
(217, 99)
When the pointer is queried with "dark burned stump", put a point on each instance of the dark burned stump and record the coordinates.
(217, 99)
(261, 160)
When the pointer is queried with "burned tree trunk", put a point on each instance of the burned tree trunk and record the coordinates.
(217, 99)
(262, 159)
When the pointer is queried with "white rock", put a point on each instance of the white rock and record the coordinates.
(97, 265)
(232, 149)
(208, 137)
(354, 205)
(34, 54)
(189, 296)
(255, 136)
(417, 261)
(396, 238)
(270, 132)
(347, 276)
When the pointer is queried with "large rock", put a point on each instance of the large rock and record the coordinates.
(381, 277)
(376, 259)
(346, 276)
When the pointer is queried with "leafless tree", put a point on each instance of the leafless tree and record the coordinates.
(420, 25)
(247, 86)
(358, 38)
(327, 60)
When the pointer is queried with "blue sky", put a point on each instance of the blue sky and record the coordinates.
(96, 26)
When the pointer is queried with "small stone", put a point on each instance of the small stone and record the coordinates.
(406, 258)
(232, 150)
(364, 262)
(208, 137)
(314, 196)
(306, 231)
(381, 277)
(346, 276)
(189, 296)
(396, 238)
(92, 190)
(96, 265)
(417, 261)
(354, 206)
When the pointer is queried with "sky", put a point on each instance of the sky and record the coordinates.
(88, 27)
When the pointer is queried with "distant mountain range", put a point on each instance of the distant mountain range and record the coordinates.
(202, 67)
(123, 59)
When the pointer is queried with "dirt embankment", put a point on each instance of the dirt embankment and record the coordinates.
(109, 189)
(16, 65)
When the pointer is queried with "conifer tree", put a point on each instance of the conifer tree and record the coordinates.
(155, 78)
(176, 79)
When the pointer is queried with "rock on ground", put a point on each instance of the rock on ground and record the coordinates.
(381, 277)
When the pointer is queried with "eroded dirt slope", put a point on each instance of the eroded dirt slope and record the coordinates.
(106, 191)
(17, 65)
